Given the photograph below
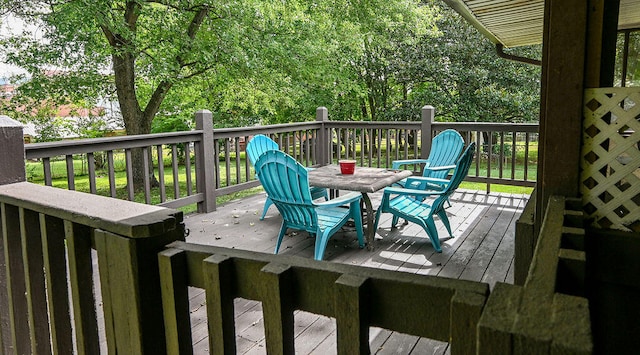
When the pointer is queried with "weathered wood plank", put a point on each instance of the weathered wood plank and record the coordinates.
(80, 277)
(52, 230)
(35, 282)
(407, 249)
(117, 216)
(16, 289)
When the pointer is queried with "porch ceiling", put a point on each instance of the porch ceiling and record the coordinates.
(516, 23)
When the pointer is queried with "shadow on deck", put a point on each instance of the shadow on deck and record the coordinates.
(482, 250)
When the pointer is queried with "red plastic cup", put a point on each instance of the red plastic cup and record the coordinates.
(347, 167)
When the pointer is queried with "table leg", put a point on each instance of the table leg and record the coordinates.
(370, 233)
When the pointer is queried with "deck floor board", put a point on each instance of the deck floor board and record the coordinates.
(482, 249)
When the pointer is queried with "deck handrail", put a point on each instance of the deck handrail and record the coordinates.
(357, 297)
(505, 154)
(550, 312)
(44, 231)
(144, 265)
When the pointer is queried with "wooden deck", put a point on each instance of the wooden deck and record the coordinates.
(482, 250)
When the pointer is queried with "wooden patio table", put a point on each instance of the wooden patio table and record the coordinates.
(364, 180)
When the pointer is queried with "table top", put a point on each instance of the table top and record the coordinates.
(364, 179)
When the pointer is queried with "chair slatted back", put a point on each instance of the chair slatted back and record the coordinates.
(445, 150)
(287, 184)
(258, 145)
(459, 173)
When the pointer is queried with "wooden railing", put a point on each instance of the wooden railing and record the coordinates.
(216, 165)
(357, 297)
(550, 312)
(80, 268)
(53, 299)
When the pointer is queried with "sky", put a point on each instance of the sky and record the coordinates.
(11, 25)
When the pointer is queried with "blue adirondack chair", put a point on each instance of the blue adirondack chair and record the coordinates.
(410, 203)
(445, 150)
(260, 144)
(287, 184)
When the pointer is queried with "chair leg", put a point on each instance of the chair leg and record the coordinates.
(283, 230)
(394, 221)
(445, 220)
(356, 214)
(267, 204)
(322, 238)
(432, 231)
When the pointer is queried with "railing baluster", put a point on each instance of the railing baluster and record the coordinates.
(15, 282)
(46, 165)
(174, 169)
(351, 304)
(78, 239)
(227, 161)
(53, 243)
(217, 163)
(187, 168)
(277, 308)
(34, 281)
(161, 181)
(237, 160)
(526, 156)
(379, 150)
(112, 173)
(147, 175)
(70, 173)
(129, 169)
(175, 301)
(514, 147)
(489, 155)
(388, 148)
(218, 270)
(247, 168)
(91, 166)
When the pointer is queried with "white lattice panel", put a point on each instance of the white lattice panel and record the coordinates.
(610, 180)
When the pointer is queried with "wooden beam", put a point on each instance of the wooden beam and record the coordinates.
(563, 77)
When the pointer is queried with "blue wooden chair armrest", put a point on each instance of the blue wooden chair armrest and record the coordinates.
(426, 183)
(440, 168)
(396, 164)
(340, 201)
(410, 192)
(408, 202)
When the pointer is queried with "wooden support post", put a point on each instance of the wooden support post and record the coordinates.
(12, 166)
(277, 309)
(428, 117)
(466, 309)
(561, 108)
(323, 144)
(206, 162)
(130, 282)
(218, 270)
(175, 301)
(351, 309)
(497, 320)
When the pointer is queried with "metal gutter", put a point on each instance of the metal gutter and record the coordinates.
(502, 54)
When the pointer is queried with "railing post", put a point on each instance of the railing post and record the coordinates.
(12, 166)
(428, 117)
(323, 145)
(130, 285)
(206, 162)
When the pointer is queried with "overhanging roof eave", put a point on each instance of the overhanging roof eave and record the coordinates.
(461, 8)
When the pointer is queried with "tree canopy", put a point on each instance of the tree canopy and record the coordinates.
(260, 62)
